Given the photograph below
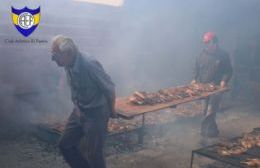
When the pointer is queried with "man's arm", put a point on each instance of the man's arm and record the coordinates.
(195, 71)
(104, 82)
(111, 101)
(227, 70)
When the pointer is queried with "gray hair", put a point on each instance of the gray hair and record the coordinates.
(65, 44)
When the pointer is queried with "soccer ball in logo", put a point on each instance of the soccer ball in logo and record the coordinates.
(26, 20)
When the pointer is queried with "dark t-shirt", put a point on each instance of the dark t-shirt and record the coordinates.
(213, 67)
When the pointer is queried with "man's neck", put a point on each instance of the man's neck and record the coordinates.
(73, 60)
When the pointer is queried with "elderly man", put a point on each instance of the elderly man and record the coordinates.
(93, 96)
(212, 66)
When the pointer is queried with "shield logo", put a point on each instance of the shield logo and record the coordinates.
(26, 20)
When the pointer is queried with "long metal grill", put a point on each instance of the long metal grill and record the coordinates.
(237, 160)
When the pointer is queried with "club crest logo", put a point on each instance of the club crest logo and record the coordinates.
(26, 20)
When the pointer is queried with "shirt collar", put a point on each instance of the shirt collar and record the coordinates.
(75, 67)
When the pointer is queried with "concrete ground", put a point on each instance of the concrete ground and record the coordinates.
(167, 147)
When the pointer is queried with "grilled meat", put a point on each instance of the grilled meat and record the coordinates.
(225, 151)
(168, 95)
(252, 162)
(248, 141)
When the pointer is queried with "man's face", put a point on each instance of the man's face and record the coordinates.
(212, 47)
(60, 58)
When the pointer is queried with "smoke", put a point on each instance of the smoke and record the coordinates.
(143, 45)
(156, 42)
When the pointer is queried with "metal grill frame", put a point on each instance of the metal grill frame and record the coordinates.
(234, 160)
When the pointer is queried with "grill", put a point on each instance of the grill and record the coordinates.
(234, 160)
(52, 132)
(49, 130)
(129, 112)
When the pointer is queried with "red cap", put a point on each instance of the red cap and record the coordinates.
(209, 36)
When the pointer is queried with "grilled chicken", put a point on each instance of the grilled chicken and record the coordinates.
(168, 95)
(248, 141)
(252, 162)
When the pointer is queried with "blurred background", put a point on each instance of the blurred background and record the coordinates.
(143, 45)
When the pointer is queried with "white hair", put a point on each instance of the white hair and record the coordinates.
(65, 44)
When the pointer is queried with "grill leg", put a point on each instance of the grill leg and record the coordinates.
(141, 131)
(191, 161)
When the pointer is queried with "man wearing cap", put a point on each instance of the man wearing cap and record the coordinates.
(93, 96)
(212, 66)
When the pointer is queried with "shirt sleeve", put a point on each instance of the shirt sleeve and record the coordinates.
(196, 70)
(227, 69)
(101, 78)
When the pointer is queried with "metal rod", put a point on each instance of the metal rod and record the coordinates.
(141, 131)
(191, 161)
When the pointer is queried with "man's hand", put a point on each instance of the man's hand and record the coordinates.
(193, 82)
(113, 112)
(77, 111)
(114, 115)
(222, 84)
(80, 114)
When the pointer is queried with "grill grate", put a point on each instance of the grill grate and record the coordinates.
(234, 160)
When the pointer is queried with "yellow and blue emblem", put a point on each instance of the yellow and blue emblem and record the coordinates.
(26, 20)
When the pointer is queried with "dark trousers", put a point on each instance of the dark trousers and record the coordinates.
(209, 126)
(83, 140)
